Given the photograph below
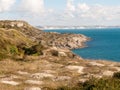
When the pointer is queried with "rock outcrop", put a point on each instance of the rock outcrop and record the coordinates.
(21, 39)
(69, 41)
(21, 26)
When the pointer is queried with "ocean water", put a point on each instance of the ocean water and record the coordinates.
(104, 44)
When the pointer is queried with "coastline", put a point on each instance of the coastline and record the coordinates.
(36, 59)
(101, 39)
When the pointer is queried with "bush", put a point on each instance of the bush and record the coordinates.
(54, 52)
(13, 50)
(34, 50)
(116, 75)
(96, 84)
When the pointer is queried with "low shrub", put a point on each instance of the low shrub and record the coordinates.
(54, 52)
(13, 50)
(116, 75)
(111, 83)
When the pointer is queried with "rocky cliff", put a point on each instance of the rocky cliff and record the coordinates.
(20, 38)
(21, 26)
(69, 41)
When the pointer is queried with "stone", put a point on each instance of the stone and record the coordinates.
(32, 88)
(33, 82)
(97, 64)
(20, 24)
(62, 54)
(10, 82)
(49, 71)
(42, 75)
(108, 73)
(83, 80)
(23, 73)
(78, 68)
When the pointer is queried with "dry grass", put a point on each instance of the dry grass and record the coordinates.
(48, 65)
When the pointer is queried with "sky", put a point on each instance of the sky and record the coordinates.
(62, 12)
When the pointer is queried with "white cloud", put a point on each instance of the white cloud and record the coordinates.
(34, 6)
(97, 12)
(70, 5)
(70, 8)
(81, 14)
(5, 5)
(83, 7)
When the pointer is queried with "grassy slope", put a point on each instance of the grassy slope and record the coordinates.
(10, 40)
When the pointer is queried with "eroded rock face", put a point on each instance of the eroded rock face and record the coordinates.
(21, 26)
(12, 24)
(64, 41)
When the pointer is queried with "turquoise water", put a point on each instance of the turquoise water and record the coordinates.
(105, 43)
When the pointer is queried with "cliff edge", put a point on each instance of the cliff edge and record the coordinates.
(69, 41)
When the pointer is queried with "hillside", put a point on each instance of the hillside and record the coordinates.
(31, 59)
(69, 41)
(10, 40)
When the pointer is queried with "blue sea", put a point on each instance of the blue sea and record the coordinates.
(104, 44)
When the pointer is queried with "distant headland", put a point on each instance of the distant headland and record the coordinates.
(77, 27)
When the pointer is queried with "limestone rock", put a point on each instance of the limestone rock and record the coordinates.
(32, 88)
(78, 68)
(34, 82)
(10, 82)
(42, 75)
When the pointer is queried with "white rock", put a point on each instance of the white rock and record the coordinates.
(97, 76)
(54, 48)
(96, 64)
(62, 54)
(10, 82)
(78, 68)
(32, 88)
(49, 71)
(83, 80)
(108, 73)
(20, 24)
(34, 82)
(22, 73)
(42, 75)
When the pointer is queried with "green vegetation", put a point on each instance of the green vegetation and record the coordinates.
(117, 75)
(34, 50)
(109, 83)
(14, 50)
(12, 43)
